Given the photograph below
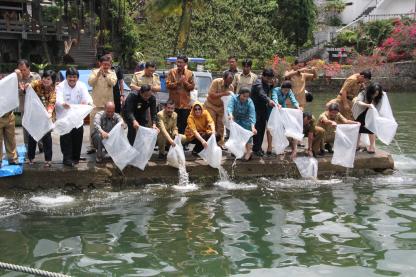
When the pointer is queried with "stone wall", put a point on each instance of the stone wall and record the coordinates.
(394, 77)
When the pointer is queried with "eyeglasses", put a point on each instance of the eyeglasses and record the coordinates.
(197, 109)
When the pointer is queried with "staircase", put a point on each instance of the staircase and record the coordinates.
(366, 12)
(84, 53)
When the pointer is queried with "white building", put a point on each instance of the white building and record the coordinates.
(357, 8)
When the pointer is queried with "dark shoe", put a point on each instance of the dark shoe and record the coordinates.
(91, 151)
(328, 148)
(162, 156)
(68, 163)
(82, 158)
(259, 153)
(271, 154)
(76, 162)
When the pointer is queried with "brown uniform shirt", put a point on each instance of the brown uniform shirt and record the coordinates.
(351, 86)
(139, 79)
(102, 87)
(167, 124)
(180, 92)
(299, 84)
(310, 128)
(241, 80)
(329, 129)
(217, 87)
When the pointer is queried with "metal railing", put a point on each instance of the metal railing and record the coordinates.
(33, 28)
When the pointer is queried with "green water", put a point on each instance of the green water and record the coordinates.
(348, 227)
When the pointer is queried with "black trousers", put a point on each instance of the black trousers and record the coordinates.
(71, 144)
(131, 132)
(198, 145)
(261, 128)
(116, 96)
(182, 119)
(47, 147)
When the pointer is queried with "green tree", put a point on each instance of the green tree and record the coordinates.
(296, 19)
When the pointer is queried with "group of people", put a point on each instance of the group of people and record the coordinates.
(251, 99)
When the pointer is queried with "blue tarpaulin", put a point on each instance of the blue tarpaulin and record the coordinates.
(11, 170)
(83, 77)
(191, 60)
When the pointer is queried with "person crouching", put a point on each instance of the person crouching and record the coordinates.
(200, 127)
(104, 122)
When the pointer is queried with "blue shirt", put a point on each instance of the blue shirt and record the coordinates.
(279, 98)
(244, 113)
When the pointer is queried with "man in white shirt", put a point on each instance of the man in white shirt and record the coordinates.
(71, 91)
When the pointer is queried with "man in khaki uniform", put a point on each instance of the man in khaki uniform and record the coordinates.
(102, 80)
(214, 105)
(246, 78)
(146, 77)
(298, 76)
(352, 86)
(25, 77)
(329, 120)
(167, 124)
(7, 133)
(315, 134)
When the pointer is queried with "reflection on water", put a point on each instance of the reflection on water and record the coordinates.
(337, 227)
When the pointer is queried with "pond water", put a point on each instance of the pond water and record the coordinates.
(267, 227)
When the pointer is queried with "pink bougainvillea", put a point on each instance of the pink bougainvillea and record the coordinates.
(401, 43)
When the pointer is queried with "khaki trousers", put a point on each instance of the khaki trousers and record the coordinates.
(217, 114)
(318, 137)
(162, 141)
(7, 133)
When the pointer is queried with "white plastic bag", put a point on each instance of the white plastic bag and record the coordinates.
(275, 125)
(144, 143)
(35, 119)
(307, 166)
(176, 156)
(118, 147)
(72, 118)
(239, 137)
(9, 97)
(384, 128)
(293, 123)
(225, 101)
(213, 153)
(345, 144)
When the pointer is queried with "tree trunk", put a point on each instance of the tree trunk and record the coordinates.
(184, 26)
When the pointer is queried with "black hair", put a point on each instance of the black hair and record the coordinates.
(286, 84)
(50, 73)
(182, 57)
(232, 57)
(145, 88)
(268, 72)
(308, 97)
(170, 102)
(366, 74)
(247, 62)
(227, 74)
(150, 64)
(308, 115)
(72, 71)
(296, 62)
(371, 91)
(23, 62)
(244, 90)
(333, 107)
(105, 58)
